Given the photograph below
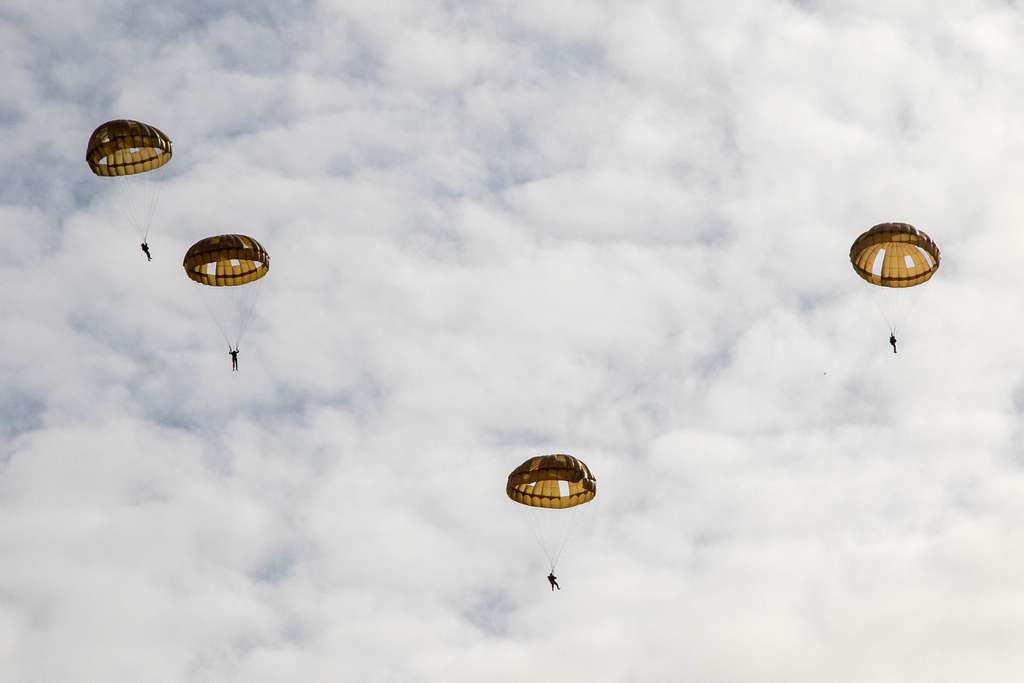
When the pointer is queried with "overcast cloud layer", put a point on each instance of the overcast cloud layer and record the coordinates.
(503, 229)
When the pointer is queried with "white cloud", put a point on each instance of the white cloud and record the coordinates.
(497, 230)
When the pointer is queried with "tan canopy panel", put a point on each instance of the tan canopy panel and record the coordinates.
(895, 255)
(226, 261)
(538, 482)
(123, 147)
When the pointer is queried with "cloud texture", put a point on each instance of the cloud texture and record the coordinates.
(501, 229)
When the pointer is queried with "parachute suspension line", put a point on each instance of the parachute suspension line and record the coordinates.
(535, 526)
(876, 299)
(236, 309)
(153, 197)
(138, 198)
(559, 529)
(248, 308)
(216, 320)
(897, 310)
(565, 538)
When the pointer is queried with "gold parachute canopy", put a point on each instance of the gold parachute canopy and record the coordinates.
(538, 482)
(123, 147)
(226, 261)
(895, 255)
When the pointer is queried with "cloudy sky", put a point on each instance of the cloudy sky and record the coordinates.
(500, 229)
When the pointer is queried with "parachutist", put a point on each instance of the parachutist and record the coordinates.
(895, 256)
(124, 148)
(234, 358)
(555, 483)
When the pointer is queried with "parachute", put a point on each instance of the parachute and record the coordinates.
(537, 482)
(123, 147)
(127, 150)
(551, 485)
(228, 266)
(896, 256)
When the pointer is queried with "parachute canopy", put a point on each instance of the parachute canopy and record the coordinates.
(123, 147)
(895, 255)
(226, 261)
(552, 481)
